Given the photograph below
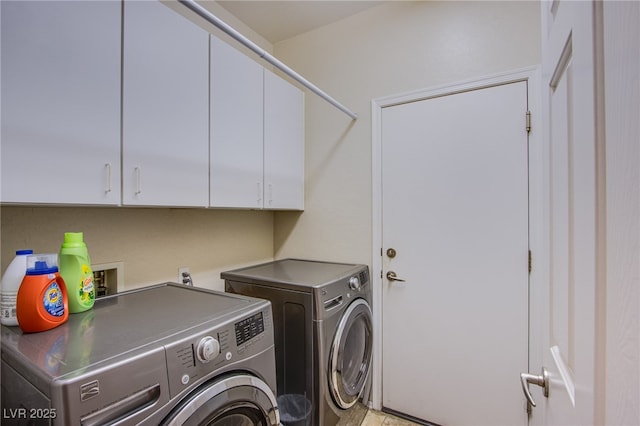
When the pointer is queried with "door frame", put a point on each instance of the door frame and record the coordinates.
(537, 206)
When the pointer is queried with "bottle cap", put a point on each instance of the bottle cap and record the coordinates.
(23, 252)
(40, 264)
(73, 237)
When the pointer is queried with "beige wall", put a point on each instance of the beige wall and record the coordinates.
(152, 243)
(390, 49)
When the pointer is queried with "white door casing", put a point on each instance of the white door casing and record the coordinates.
(474, 397)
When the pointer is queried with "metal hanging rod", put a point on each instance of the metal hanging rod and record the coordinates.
(208, 16)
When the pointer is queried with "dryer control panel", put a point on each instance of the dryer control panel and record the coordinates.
(331, 298)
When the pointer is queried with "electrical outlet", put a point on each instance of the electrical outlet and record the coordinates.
(184, 275)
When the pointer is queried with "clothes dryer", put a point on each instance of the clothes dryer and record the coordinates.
(162, 355)
(323, 336)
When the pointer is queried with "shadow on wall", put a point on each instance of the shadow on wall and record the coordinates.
(317, 164)
(284, 224)
(313, 177)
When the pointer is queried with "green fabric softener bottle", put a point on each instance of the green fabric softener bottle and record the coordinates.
(75, 269)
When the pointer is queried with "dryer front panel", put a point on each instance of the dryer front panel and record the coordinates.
(350, 356)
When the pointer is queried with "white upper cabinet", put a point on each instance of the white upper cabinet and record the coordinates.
(61, 102)
(165, 145)
(110, 103)
(283, 144)
(257, 134)
(236, 128)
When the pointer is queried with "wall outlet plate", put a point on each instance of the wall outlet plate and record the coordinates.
(182, 270)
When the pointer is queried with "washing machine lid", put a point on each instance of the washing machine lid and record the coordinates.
(120, 327)
(298, 273)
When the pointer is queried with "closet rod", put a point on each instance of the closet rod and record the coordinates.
(201, 11)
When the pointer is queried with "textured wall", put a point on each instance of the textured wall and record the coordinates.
(152, 243)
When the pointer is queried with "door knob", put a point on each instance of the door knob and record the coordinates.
(542, 381)
(391, 276)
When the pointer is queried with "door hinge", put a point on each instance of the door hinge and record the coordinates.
(528, 121)
(529, 262)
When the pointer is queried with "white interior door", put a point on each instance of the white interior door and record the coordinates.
(455, 209)
(568, 308)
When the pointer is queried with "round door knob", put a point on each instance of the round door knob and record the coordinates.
(208, 349)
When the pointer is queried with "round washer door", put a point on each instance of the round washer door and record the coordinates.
(234, 400)
(350, 356)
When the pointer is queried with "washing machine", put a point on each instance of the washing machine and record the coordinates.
(323, 336)
(163, 355)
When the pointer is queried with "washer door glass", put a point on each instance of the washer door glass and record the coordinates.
(237, 400)
(350, 357)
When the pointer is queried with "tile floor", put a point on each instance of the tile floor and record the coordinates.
(376, 418)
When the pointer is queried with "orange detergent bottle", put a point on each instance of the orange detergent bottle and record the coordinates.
(42, 301)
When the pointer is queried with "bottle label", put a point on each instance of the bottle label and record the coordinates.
(53, 300)
(8, 305)
(86, 289)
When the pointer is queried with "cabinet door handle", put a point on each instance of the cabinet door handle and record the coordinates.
(259, 193)
(108, 167)
(270, 194)
(138, 181)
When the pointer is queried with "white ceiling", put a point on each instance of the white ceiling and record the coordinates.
(280, 20)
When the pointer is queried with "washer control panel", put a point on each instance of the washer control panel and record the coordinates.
(249, 328)
(194, 359)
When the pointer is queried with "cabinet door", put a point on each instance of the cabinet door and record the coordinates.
(61, 102)
(283, 144)
(236, 128)
(165, 108)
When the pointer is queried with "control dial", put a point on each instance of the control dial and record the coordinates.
(354, 283)
(208, 348)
